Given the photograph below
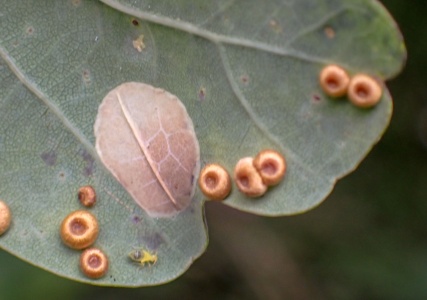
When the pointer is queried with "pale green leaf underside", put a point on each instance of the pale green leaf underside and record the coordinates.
(257, 63)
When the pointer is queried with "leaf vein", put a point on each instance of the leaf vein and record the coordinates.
(52, 107)
(214, 37)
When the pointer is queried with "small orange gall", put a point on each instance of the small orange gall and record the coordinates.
(364, 91)
(248, 179)
(87, 195)
(5, 217)
(215, 182)
(334, 81)
(93, 263)
(79, 229)
(271, 165)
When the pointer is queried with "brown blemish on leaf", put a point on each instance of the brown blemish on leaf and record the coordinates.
(49, 157)
(244, 79)
(138, 44)
(29, 30)
(275, 26)
(86, 77)
(145, 137)
(202, 94)
(136, 219)
(247, 178)
(76, 2)
(316, 98)
(329, 32)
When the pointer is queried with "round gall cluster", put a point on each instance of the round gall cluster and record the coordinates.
(254, 175)
(247, 178)
(79, 230)
(362, 90)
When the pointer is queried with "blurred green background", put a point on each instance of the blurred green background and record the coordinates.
(368, 240)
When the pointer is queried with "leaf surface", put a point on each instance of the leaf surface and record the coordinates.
(246, 72)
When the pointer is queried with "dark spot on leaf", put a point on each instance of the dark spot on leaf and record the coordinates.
(135, 22)
(275, 26)
(89, 166)
(30, 30)
(316, 98)
(244, 79)
(153, 241)
(136, 219)
(202, 94)
(76, 2)
(49, 157)
(86, 76)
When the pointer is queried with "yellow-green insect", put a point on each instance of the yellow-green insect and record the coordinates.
(143, 256)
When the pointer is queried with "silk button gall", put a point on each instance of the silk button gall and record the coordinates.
(87, 196)
(247, 178)
(93, 263)
(271, 166)
(334, 81)
(364, 91)
(215, 182)
(79, 229)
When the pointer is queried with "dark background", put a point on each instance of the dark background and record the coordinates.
(366, 241)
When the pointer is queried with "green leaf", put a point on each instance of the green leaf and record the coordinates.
(246, 72)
